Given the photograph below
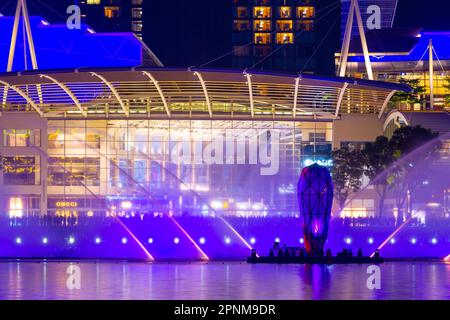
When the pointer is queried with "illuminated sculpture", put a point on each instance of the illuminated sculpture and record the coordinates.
(315, 198)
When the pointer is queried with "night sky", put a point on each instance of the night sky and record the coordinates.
(431, 14)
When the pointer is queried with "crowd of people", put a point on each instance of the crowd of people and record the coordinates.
(208, 220)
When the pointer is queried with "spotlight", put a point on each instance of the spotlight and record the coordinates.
(413, 240)
(71, 240)
(348, 240)
(277, 239)
(98, 240)
(124, 240)
(227, 240)
(176, 240)
(150, 240)
(18, 240)
(392, 241)
(302, 240)
(434, 241)
(252, 240)
(202, 240)
(370, 240)
(44, 240)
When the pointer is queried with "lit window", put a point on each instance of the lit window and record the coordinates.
(21, 170)
(137, 26)
(285, 38)
(136, 13)
(262, 12)
(73, 171)
(262, 38)
(262, 25)
(305, 12)
(112, 12)
(15, 207)
(284, 25)
(284, 12)
(93, 2)
(21, 137)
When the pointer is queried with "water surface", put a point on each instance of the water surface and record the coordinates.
(221, 280)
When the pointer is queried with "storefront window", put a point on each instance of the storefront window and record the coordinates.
(20, 206)
(140, 170)
(73, 171)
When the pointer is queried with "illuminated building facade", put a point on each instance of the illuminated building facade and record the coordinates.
(404, 53)
(186, 141)
(263, 26)
(114, 15)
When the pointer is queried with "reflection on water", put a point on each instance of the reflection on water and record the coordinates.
(228, 280)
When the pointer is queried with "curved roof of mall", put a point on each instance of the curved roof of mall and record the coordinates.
(209, 93)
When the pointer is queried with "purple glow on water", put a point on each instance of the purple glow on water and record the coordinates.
(227, 237)
(160, 281)
(103, 239)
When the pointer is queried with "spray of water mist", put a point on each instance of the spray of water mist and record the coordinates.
(188, 187)
(139, 243)
(393, 234)
(397, 230)
(383, 175)
(197, 247)
(203, 254)
(205, 257)
(385, 172)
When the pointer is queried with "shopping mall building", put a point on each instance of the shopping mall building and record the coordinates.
(156, 139)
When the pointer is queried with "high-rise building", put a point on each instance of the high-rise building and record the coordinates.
(387, 10)
(113, 15)
(273, 34)
(189, 33)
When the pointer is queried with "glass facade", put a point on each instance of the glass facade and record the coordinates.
(21, 138)
(181, 167)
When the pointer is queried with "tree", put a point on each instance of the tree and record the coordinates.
(379, 157)
(347, 171)
(416, 96)
(409, 172)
